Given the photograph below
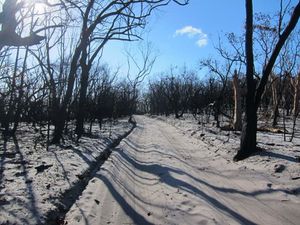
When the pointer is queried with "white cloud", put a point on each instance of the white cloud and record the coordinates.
(191, 32)
(202, 42)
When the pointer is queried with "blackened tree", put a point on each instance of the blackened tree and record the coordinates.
(255, 91)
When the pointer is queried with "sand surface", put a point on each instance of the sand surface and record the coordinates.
(163, 174)
(29, 196)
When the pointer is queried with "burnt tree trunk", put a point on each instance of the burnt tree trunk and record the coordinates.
(279, 95)
(20, 95)
(61, 114)
(82, 46)
(253, 97)
(217, 112)
(82, 96)
(248, 138)
(275, 100)
(12, 99)
(296, 96)
(237, 117)
(295, 104)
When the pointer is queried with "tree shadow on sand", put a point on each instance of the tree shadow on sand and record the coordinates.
(165, 173)
(30, 199)
(166, 176)
(266, 153)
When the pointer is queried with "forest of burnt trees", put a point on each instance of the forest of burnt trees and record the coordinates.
(58, 78)
(185, 93)
(52, 74)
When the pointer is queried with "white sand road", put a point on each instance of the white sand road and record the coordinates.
(158, 176)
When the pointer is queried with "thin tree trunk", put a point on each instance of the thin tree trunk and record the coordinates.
(284, 127)
(217, 112)
(275, 100)
(91, 126)
(237, 117)
(82, 97)
(21, 93)
(279, 100)
(296, 96)
(12, 99)
(295, 104)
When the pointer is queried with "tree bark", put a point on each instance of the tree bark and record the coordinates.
(275, 100)
(82, 97)
(296, 96)
(237, 117)
(295, 104)
(248, 138)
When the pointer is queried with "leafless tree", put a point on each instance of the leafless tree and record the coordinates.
(139, 67)
(267, 31)
(101, 22)
(223, 72)
(254, 92)
(175, 92)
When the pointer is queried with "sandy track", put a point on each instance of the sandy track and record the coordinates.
(158, 176)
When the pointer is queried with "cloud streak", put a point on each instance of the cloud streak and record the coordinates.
(192, 32)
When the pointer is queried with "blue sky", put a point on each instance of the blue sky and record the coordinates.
(182, 35)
